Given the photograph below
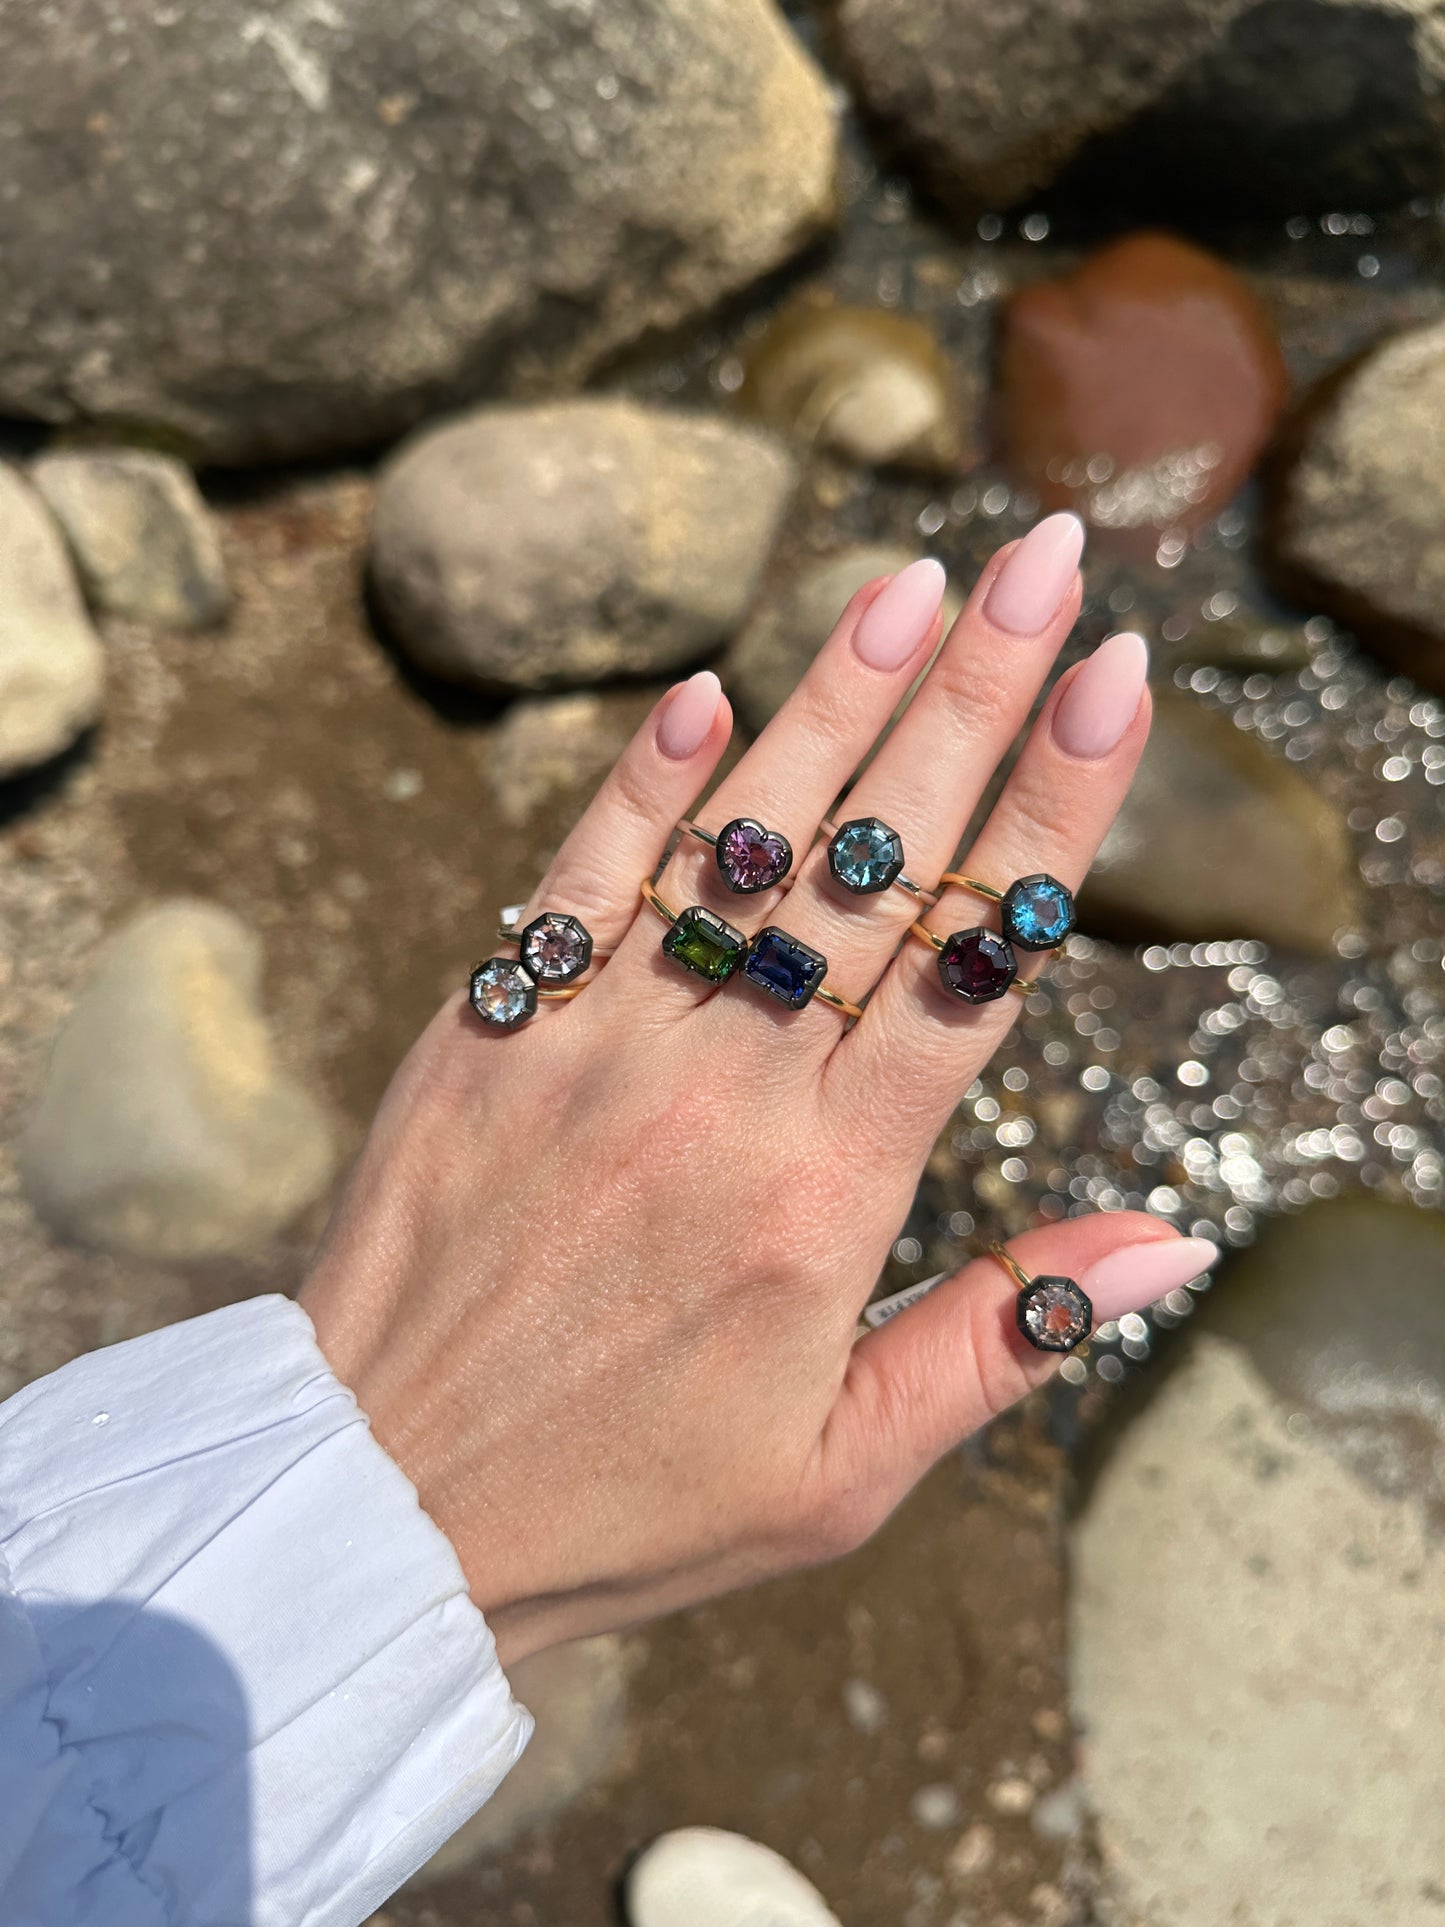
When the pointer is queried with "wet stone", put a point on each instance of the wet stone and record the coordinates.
(705, 944)
(977, 965)
(502, 994)
(1053, 1314)
(751, 858)
(1037, 912)
(865, 856)
(555, 948)
(784, 968)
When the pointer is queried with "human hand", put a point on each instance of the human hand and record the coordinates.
(596, 1281)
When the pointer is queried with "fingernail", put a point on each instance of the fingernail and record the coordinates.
(1033, 582)
(1135, 1275)
(895, 622)
(683, 726)
(1102, 700)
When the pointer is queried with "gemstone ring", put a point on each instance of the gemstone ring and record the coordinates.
(773, 962)
(749, 857)
(1053, 1314)
(866, 857)
(1037, 912)
(977, 965)
(555, 950)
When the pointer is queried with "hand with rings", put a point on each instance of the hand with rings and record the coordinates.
(598, 1276)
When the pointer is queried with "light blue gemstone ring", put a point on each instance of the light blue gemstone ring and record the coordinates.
(865, 856)
(1037, 912)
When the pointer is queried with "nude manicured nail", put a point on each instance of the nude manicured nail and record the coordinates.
(683, 726)
(1135, 1275)
(1102, 700)
(1035, 579)
(895, 622)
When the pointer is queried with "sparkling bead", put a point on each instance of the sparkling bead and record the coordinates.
(865, 855)
(977, 965)
(1053, 1314)
(555, 948)
(751, 858)
(1037, 912)
(705, 944)
(783, 967)
(502, 994)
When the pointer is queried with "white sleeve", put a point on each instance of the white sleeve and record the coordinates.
(241, 1683)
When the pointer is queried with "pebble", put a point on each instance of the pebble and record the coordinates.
(1011, 1796)
(1360, 506)
(972, 1852)
(865, 1706)
(166, 1128)
(872, 386)
(141, 535)
(573, 541)
(1140, 388)
(936, 1807)
(52, 668)
(703, 1877)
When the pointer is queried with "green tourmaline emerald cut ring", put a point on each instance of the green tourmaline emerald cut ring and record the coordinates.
(705, 944)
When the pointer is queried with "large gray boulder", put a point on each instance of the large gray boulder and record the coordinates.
(288, 229)
(530, 548)
(1269, 105)
(52, 668)
(1256, 1637)
(1360, 522)
(166, 1127)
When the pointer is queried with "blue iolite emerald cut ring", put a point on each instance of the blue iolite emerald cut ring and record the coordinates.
(700, 941)
(1036, 912)
(866, 857)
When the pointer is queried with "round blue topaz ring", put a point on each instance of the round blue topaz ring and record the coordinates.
(1053, 1314)
(749, 858)
(772, 961)
(866, 856)
(1037, 912)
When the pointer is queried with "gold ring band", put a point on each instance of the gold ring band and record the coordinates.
(824, 992)
(557, 995)
(971, 884)
(1010, 1264)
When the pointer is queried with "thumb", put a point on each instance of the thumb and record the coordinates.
(955, 1358)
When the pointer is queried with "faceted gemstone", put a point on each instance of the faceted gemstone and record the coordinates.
(751, 858)
(555, 948)
(783, 967)
(502, 993)
(1053, 1314)
(865, 855)
(704, 944)
(1037, 912)
(977, 965)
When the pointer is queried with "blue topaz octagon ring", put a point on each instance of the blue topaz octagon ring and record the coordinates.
(865, 856)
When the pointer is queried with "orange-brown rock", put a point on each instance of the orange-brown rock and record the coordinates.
(1139, 389)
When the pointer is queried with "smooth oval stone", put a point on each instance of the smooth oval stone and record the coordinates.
(1140, 389)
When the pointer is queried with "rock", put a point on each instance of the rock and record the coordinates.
(141, 535)
(1255, 1626)
(872, 386)
(1252, 106)
(1139, 389)
(307, 228)
(1359, 525)
(52, 668)
(566, 543)
(790, 625)
(703, 1877)
(548, 753)
(1220, 837)
(578, 1696)
(166, 1128)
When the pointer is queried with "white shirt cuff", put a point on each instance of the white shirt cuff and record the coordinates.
(262, 1693)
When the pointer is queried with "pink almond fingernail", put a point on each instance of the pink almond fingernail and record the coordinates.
(1033, 582)
(891, 629)
(1102, 700)
(1135, 1275)
(683, 726)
